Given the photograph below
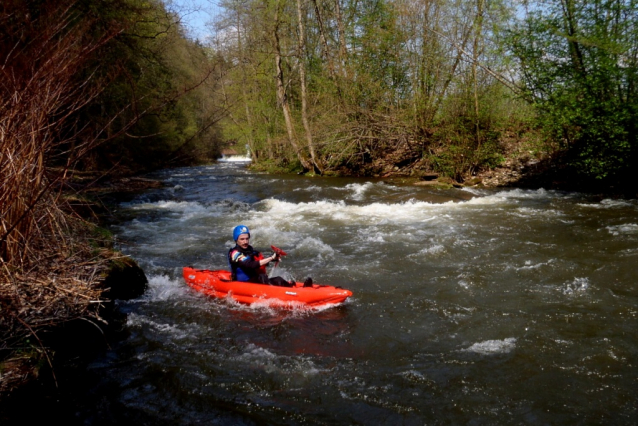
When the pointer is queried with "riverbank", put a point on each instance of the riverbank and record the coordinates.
(58, 310)
(516, 171)
(519, 162)
(519, 168)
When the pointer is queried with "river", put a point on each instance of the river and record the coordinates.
(470, 306)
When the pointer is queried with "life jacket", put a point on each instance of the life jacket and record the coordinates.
(262, 268)
(245, 274)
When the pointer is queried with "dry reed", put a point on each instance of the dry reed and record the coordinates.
(49, 272)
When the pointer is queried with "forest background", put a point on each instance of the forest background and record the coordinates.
(98, 88)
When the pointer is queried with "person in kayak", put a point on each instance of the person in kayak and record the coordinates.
(249, 265)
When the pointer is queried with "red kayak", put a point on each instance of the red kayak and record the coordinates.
(218, 284)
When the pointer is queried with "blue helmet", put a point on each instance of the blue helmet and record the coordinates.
(240, 229)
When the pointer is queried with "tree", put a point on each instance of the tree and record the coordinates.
(301, 53)
(163, 95)
(579, 64)
(362, 80)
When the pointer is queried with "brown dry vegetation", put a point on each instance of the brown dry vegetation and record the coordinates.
(40, 95)
(61, 283)
(87, 88)
(50, 269)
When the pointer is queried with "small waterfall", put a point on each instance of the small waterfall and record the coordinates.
(232, 156)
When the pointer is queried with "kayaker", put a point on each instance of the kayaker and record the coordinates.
(249, 265)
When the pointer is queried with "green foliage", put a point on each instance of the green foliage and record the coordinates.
(158, 107)
(381, 78)
(458, 155)
(274, 166)
(449, 162)
(580, 71)
(101, 237)
(430, 77)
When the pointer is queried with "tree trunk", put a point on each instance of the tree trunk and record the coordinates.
(571, 29)
(325, 51)
(249, 118)
(282, 97)
(343, 53)
(304, 92)
(478, 30)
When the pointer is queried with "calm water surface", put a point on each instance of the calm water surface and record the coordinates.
(479, 307)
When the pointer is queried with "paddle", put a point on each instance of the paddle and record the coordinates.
(279, 252)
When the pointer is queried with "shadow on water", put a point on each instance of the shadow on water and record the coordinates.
(300, 332)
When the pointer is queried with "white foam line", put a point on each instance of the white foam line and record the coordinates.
(628, 228)
(409, 211)
(176, 206)
(490, 347)
(607, 204)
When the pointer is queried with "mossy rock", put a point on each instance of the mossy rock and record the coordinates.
(434, 184)
(124, 279)
(474, 181)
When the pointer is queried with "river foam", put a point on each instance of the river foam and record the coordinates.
(163, 287)
(609, 204)
(578, 285)
(472, 305)
(168, 331)
(624, 229)
(256, 357)
(491, 347)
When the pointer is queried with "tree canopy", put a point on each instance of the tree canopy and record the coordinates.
(445, 85)
(578, 61)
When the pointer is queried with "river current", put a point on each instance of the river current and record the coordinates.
(470, 306)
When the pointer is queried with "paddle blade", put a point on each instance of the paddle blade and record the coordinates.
(278, 251)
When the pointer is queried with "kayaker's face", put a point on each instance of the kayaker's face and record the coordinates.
(243, 240)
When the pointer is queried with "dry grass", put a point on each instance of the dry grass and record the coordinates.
(60, 283)
(49, 269)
